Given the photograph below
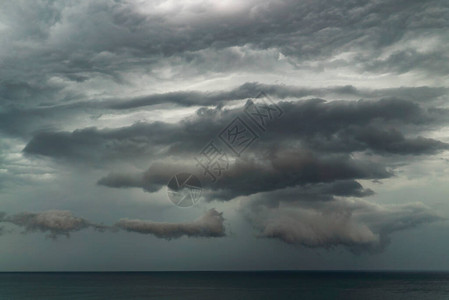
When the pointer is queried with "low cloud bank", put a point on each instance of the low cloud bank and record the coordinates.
(62, 222)
(209, 225)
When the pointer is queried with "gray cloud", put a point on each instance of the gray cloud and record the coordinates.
(24, 121)
(318, 167)
(251, 89)
(338, 125)
(410, 59)
(357, 225)
(329, 174)
(209, 225)
(151, 180)
(127, 38)
(62, 222)
(282, 168)
(245, 91)
(55, 222)
(321, 137)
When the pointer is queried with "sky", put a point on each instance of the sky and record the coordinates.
(313, 135)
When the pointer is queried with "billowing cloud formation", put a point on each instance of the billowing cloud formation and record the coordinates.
(209, 225)
(128, 31)
(321, 137)
(13, 119)
(355, 224)
(251, 89)
(56, 222)
(334, 174)
(152, 180)
(337, 126)
(62, 222)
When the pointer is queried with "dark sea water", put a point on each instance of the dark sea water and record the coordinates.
(225, 285)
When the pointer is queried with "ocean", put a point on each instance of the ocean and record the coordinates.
(225, 285)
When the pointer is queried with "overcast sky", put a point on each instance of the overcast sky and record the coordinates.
(102, 102)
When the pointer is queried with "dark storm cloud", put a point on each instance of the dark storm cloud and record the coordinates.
(339, 188)
(323, 176)
(180, 98)
(393, 141)
(349, 126)
(151, 180)
(24, 121)
(92, 144)
(337, 126)
(209, 225)
(370, 138)
(245, 91)
(252, 89)
(295, 167)
(197, 98)
(62, 42)
(320, 136)
(139, 139)
(310, 194)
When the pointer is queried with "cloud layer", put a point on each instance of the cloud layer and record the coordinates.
(101, 101)
(56, 222)
(209, 225)
(355, 224)
(62, 222)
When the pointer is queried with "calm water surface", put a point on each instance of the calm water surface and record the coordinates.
(225, 285)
